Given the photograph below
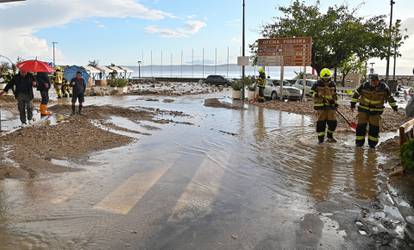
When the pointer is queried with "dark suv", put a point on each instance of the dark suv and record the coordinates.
(217, 80)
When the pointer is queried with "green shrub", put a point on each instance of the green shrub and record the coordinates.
(236, 85)
(120, 83)
(407, 155)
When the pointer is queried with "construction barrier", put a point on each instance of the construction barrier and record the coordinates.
(407, 132)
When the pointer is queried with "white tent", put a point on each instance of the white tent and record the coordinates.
(104, 72)
(93, 72)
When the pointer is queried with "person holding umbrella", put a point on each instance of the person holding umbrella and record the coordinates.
(22, 84)
(78, 91)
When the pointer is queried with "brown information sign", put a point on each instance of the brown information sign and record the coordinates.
(296, 51)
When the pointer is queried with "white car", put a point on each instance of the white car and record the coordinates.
(272, 90)
(308, 87)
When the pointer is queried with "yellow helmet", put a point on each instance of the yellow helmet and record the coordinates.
(262, 70)
(325, 74)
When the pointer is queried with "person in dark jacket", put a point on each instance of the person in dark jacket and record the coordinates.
(371, 97)
(22, 84)
(78, 91)
(43, 85)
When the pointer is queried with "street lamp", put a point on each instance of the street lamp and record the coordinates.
(139, 69)
(390, 41)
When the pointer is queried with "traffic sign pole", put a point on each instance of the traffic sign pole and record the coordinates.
(304, 73)
(282, 76)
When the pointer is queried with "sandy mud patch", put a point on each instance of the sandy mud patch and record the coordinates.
(31, 150)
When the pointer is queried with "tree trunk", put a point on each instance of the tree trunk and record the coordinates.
(335, 74)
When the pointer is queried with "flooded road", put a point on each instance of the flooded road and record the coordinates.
(236, 179)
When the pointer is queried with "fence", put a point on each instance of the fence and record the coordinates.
(407, 132)
(198, 63)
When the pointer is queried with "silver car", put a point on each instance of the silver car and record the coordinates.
(272, 90)
(308, 87)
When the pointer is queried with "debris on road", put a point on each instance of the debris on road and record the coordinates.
(216, 103)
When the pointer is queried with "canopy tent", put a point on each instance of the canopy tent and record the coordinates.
(128, 71)
(70, 73)
(122, 72)
(93, 72)
(105, 71)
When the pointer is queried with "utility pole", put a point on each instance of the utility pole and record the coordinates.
(395, 56)
(139, 69)
(387, 75)
(54, 53)
(243, 45)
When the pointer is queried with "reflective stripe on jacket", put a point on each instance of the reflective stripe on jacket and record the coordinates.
(372, 99)
(325, 97)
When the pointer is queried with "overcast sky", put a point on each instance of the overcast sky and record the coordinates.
(124, 31)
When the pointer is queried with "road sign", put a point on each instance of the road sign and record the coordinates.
(296, 51)
(269, 60)
(243, 61)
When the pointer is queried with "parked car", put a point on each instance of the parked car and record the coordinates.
(217, 80)
(308, 87)
(272, 90)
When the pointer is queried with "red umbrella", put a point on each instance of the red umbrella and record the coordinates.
(35, 66)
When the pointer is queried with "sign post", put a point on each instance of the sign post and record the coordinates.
(288, 51)
(243, 61)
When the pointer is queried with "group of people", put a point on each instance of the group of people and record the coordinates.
(371, 96)
(62, 87)
(22, 85)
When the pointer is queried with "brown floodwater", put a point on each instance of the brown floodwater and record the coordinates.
(236, 179)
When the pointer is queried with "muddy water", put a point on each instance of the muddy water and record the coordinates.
(251, 179)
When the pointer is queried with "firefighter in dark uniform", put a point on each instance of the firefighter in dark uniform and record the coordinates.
(325, 103)
(261, 84)
(371, 96)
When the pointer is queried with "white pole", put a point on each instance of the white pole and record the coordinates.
(162, 70)
(215, 61)
(203, 62)
(304, 73)
(228, 60)
(192, 63)
(282, 77)
(142, 60)
(152, 73)
(171, 65)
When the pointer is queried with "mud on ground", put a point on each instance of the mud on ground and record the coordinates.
(29, 151)
(216, 103)
(172, 88)
(391, 121)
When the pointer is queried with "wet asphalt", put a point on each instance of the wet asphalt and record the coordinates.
(236, 179)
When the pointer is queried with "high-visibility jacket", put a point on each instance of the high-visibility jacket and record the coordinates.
(372, 99)
(58, 78)
(324, 95)
(262, 80)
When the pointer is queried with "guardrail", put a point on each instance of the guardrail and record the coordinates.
(407, 132)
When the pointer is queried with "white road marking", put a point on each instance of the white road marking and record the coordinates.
(129, 193)
(203, 189)
(66, 194)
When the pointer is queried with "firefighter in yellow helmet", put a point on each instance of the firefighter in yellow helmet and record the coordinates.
(371, 96)
(58, 81)
(261, 84)
(325, 103)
